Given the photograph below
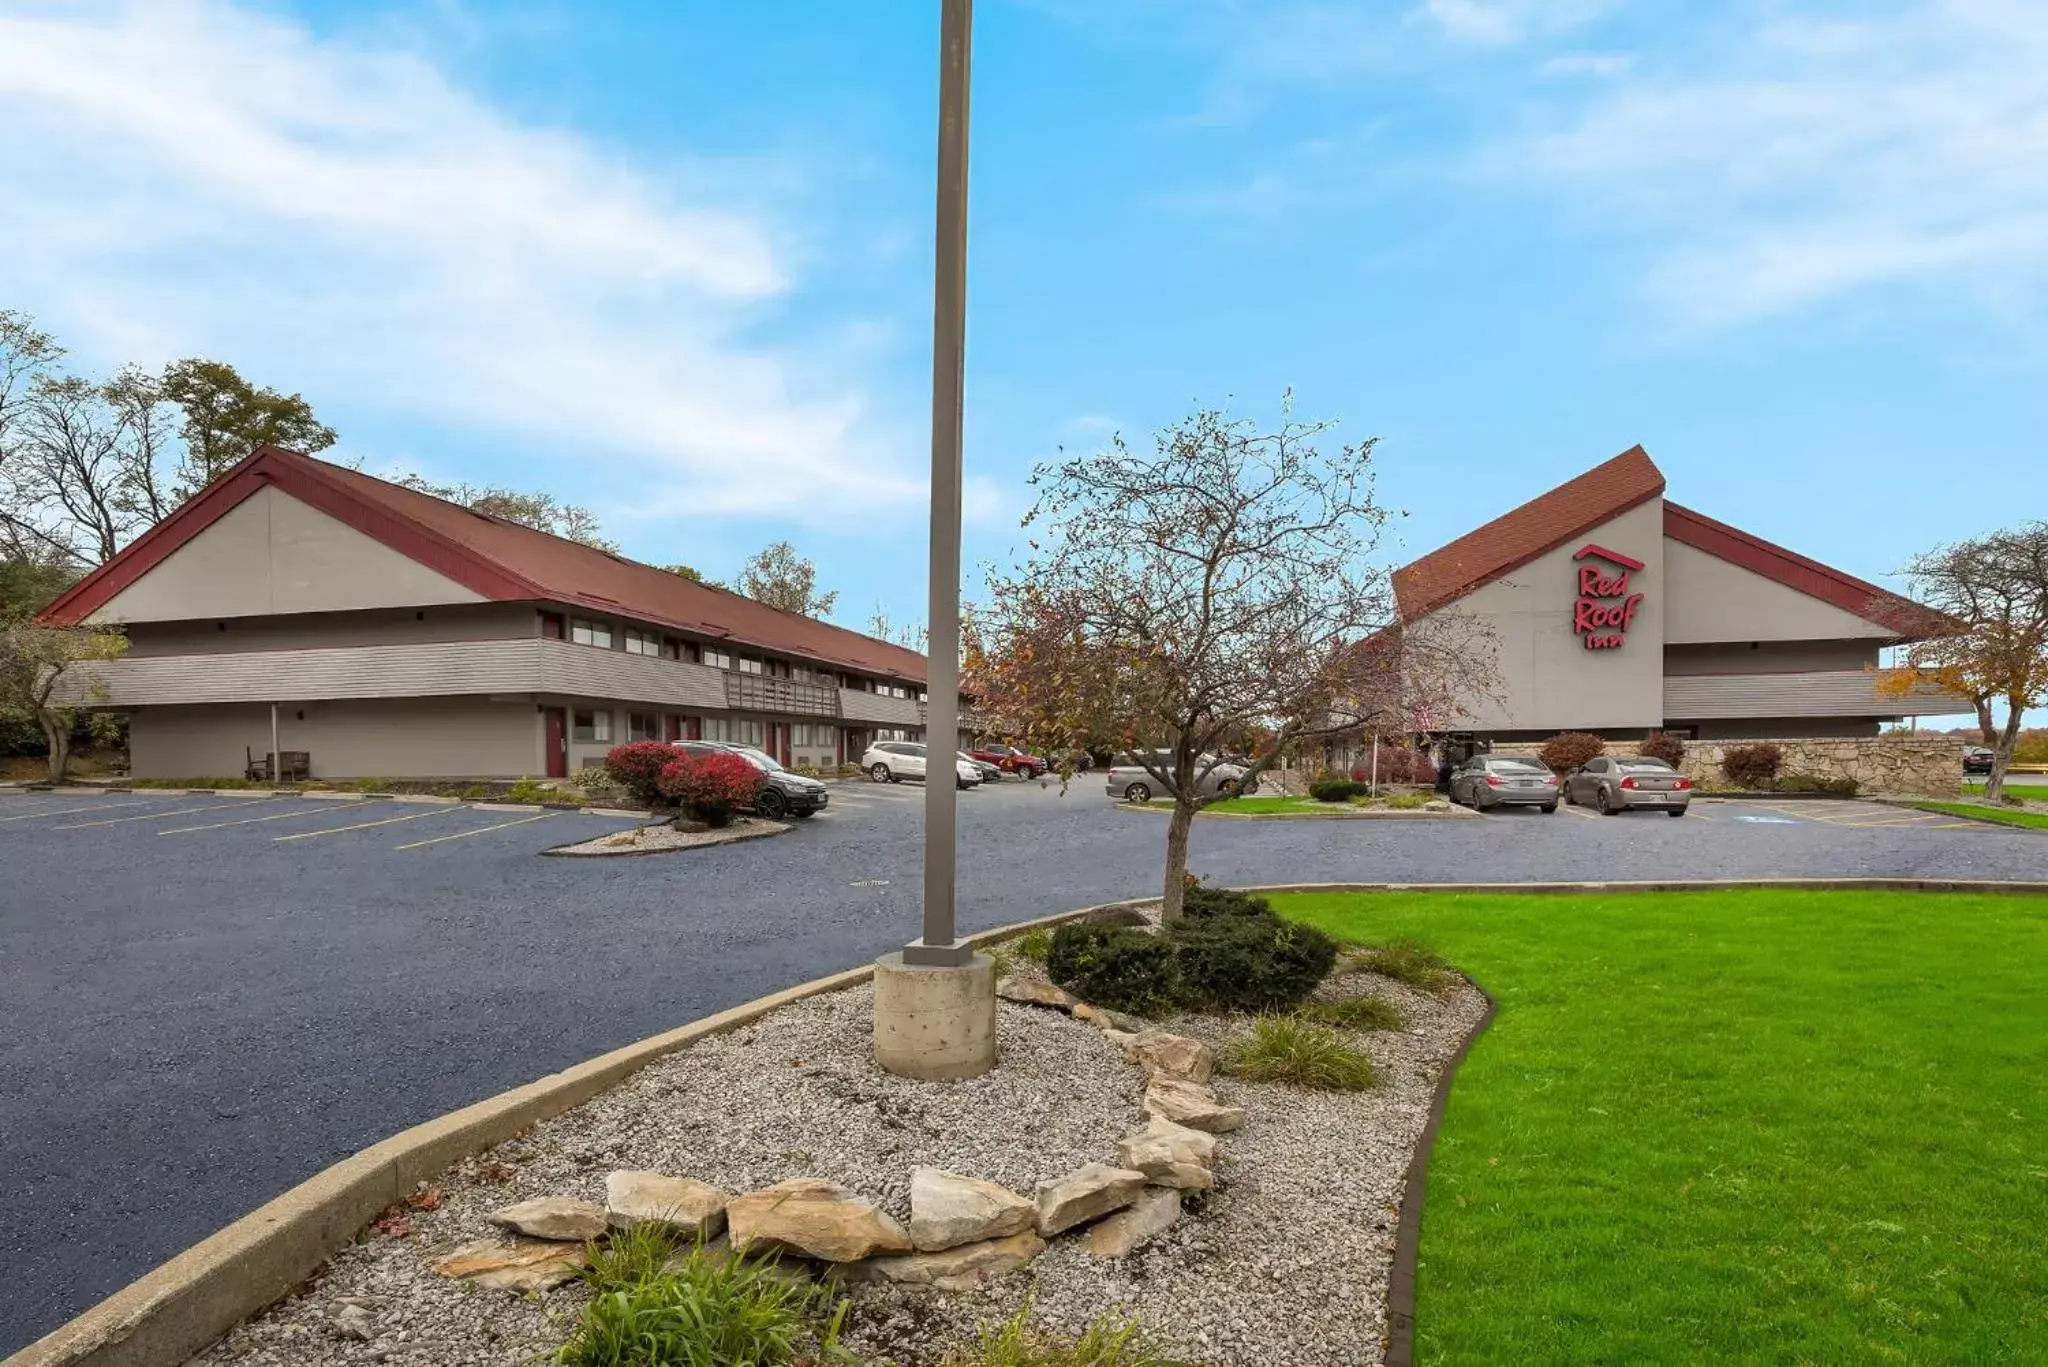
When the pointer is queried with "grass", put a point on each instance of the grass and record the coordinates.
(1406, 961)
(2033, 791)
(2004, 816)
(1109, 1342)
(653, 1305)
(1760, 1126)
(1355, 1013)
(1297, 1052)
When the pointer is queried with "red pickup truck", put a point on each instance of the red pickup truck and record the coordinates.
(1010, 760)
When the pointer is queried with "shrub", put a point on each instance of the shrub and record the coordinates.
(1569, 750)
(475, 792)
(1335, 789)
(1034, 945)
(711, 786)
(1291, 1050)
(1400, 765)
(1408, 802)
(636, 767)
(1200, 900)
(1814, 783)
(526, 790)
(1664, 746)
(652, 1306)
(1355, 1013)
(1408, 962)
(1121, 967)
(1109, 1342)
(1247, 963)
(1752, 766)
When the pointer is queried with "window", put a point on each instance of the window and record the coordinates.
(715, 729)
(671, 648)
(807, 735)
(642, 642)
(803, 674)
(643, 726)
(591, 726)
(716, 658)
(588, 633)
(752, 733)
(551, 625)
(749, 665)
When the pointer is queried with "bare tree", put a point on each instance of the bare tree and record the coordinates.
(910, 635)
(27, 355)
(779, 577)
(1994, 590)
(65, 472)
(1211, 595)
(542, 512)
(46, 674)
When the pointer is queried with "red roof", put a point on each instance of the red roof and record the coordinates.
(499, 560)
(1536, 528)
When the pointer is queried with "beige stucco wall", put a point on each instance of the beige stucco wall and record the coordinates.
(1547, 679)
(274, 554)
(366, 738)
(315, 630)
(1758, 657)
(1708, 599)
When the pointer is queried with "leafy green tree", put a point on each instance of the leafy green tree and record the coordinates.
(28, 584)
(226, 417)
(781, 578)
(46, 674)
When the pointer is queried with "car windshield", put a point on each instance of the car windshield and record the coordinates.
(1515, 766)
(1645, 766)
(760, 759)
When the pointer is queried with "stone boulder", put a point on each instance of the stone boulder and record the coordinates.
(964, 1268)
(1102, 1018)
(1170, 1155)
(947, 1210)
(524, 1265)
(691, 1208)
(1191, 1104)
(814, 1218)
(1085, 1194)
(1031, 992)
(1151, 1214)
(1164, 1054)
(552, 1217)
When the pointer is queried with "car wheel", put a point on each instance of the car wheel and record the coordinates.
(1248, 787)
(1601, 803)
(880, 774)
(1137, 792)
(1674, 811)
(771, 805)
(1549, 809)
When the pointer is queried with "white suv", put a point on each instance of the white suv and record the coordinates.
(892, 761)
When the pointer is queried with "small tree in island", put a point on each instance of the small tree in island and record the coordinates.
(46, 672)
(1209, 598)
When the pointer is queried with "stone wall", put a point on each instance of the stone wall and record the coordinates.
(1920, 765)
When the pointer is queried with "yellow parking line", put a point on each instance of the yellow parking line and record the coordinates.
(315, 810)
(365, 825)
(101, 806)
(242, 805)
(464, 835)
(1581, 811)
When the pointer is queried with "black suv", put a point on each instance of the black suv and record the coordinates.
(784, 794)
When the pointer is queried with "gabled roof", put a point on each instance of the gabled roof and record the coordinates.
(500, 560)
(1536, 528)
(1859, 597)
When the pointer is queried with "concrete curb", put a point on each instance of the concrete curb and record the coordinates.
(569, 851)
(1417, 814)
(163, 1318)
(1917, 804)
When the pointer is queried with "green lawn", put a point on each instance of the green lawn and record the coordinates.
(2035, 791)
(2009, 816)
(1718, 1127)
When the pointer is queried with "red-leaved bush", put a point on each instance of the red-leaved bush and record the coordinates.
(1569, 750)
(637, 767)
(1752, 766)
(711, 786)
(1662, 745)
(1398, 766)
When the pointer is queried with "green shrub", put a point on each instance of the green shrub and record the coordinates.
(476, 792)
(1752, 766)
(650, 1307)
(1291, 1050)
(1355, 1013)
(1121, 967)
(1336, 789)
(1247, 963)
(372, 785)
(1408, 802)
(526, 790)
(1034, 945)
(1201, 900)
(1408, 962)
(1569, 750)
(1109, 1342)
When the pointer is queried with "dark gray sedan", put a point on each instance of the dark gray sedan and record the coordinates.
(1612, 785)
(1485, 782)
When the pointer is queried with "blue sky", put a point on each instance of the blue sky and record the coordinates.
(671, 260)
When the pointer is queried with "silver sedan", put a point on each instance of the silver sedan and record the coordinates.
(1611, 786)
(1131, 781)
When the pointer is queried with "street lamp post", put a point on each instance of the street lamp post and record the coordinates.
(935, 1000)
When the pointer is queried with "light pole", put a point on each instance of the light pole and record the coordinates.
(935, 1000)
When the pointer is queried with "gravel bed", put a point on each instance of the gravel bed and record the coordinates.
(1285, 1262)
(662, 837)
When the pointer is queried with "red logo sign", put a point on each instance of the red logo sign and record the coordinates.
(1605, 606)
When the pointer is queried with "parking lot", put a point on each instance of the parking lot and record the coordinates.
(211, 998)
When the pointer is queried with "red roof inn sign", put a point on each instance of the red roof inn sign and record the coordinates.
(1605, 606)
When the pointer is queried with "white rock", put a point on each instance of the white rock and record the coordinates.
(817, 1219)
(1164, 1054)
(524, 1265)
(964, 1268)
(1170, 1155)
(947, 1210)
(354, 1322)
(1191, 1104)
(1085, 1194)
(694, 1209)
(1152, 1213)
(552, 1217)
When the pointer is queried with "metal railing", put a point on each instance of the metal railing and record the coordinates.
(765, 693)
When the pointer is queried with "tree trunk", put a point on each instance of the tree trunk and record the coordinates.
(1986, 728)
(1177, 828)
(59, 738)
(2001, 752)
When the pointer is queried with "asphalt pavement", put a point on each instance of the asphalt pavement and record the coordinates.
(210, 999)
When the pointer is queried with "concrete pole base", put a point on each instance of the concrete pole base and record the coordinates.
(935, 1022)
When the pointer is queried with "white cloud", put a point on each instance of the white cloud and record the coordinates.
(1587, 64)
(1809, 159)
(186, 176)
(1494, 23)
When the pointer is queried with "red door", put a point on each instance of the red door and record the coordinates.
(557, 741)
(671, 727)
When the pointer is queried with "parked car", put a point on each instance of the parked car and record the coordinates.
(990, 771)
(1977, 759)
(892, 761)
(1010, 760)
(782, 793)
(1131, 781)
(1485, 782)
(1611, 785)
